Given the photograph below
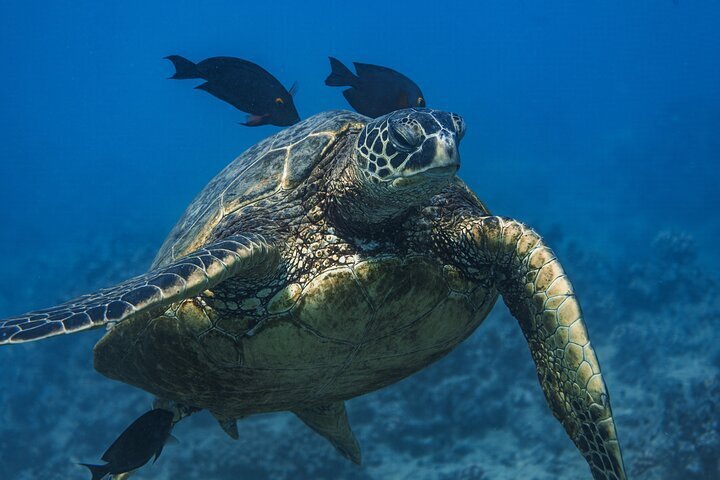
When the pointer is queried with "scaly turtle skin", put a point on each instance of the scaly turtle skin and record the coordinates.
(330, 260)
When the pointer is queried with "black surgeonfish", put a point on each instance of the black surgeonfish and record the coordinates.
(244, 85)
(375, 90)
(144, 438)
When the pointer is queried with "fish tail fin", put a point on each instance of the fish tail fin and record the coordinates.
(184, 68)
(340, 75)
(98, 471)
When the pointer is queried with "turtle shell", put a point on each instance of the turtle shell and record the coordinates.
(280, 162)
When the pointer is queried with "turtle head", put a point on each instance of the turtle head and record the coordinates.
(400, 160)
(411, 147)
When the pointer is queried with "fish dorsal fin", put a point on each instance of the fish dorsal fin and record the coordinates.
(369, 69)
(330, 420)
(293, 89)
(237, 65)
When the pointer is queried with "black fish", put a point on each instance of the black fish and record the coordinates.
(144, 438)
(375, 90)
(244, 85)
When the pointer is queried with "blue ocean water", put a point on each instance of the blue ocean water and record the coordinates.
(596, 122)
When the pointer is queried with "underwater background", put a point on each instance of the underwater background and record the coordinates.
(598, 123)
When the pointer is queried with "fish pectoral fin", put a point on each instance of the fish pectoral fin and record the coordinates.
(330, 420)
(256, 120)
(172, 440)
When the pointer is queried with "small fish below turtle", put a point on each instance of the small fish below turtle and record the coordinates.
(374, 91)
(244, 85)
(142, 440)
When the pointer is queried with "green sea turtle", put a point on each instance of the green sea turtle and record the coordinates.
(330, 260)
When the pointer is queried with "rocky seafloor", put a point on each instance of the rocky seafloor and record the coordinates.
(477, 414)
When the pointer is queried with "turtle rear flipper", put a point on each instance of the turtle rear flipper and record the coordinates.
(147, 295)
(330, 420)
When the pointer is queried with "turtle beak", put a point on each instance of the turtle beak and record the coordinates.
(446, 161)
(439, 172)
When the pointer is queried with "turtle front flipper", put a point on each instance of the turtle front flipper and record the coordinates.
(147, 295)
(538, 293)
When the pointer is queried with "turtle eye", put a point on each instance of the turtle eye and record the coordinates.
(404, 137)
(279, 102)
(420, 102)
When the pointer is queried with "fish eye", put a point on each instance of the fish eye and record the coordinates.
(279, 102)
(421, 102)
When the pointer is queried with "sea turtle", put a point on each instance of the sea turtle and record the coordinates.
(334, 258)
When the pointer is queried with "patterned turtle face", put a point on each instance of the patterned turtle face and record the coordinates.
(408, 142)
